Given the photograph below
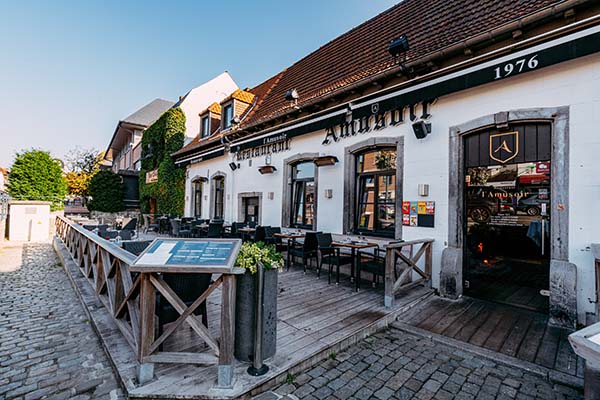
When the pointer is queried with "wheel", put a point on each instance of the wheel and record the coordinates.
(533, 211)
(480, 215)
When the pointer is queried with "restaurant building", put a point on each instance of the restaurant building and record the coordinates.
(470, 122)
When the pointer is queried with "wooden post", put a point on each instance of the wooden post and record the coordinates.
(147, 310)
(390, 261)
(429, 261)
(225, 372)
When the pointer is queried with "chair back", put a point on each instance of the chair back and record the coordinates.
(260, 234)
(324, 240)
(131, 225)
(136, 247)
(89, 227)
(215, 229)
(126, 234)
(235, 226)
(175, 227)
(252, 224)
(310, 241)
(102, 228)
(188, 286)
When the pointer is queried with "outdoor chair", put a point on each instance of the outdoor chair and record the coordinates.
(330, 255)
(136, 247)
(280, 245)
(233, 232)
(373, 263)
(177, 230)
(149, 226)
(215, 230)
(129, 229)
(188, 287)
(306, 250)
(89, 227)
(259, 234)
(269, 238)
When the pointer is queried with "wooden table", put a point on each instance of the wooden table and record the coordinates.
(353, 246)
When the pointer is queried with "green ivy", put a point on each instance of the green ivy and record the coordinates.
(106, 191)
(35, 175)
(160, 140)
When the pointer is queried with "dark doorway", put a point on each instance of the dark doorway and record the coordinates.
(507, 215)
(250, 207)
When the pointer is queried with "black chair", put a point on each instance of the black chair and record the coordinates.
(259, 234)
(89, 227)
(136, 247)
(188, 287)
(373, 263)
(178, 231)
(331, 255)
(215, 230)
(149, 224)
(280, 245)
(306, 250)
(269, 238)
(233, 232)
(129, 230)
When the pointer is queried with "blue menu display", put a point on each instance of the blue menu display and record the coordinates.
(184, 252)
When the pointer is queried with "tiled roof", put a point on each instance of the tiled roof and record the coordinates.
(241, 95)
(261, 91)
(430, 25)
(214, 108)
(146, 115)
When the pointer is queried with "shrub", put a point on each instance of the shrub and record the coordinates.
(106, 191)
(35, 175)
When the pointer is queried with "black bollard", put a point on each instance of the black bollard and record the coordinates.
(258, 368)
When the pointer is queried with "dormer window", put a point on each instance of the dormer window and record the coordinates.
(205, 126)
(227, 115)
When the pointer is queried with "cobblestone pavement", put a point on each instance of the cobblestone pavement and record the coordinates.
(47, 347)
(397, 365)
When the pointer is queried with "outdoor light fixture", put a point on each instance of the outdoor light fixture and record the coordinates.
(235, 120)
(421, 129)
(292, 96)
(266, 169)
(328, 193)
(398, 46)
(271, 195)
(233, 166)
(325, 160)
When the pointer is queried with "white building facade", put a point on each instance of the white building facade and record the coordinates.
(534, 110)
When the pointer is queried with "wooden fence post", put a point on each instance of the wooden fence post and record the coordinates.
(147, 310)
(225, 370)
(390, 261)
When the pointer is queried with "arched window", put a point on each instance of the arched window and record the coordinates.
(219, 197)
(376, 192)
(197, 195)
(303, 195)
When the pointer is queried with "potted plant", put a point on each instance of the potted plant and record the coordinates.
(251, 254)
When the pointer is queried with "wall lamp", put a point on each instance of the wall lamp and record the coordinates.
(421, 129)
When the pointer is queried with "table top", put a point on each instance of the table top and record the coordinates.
(289, 235)
(362, 245)
(247, 230)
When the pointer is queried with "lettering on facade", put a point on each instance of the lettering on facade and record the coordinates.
(376, 121)
(270, 145)
(152, 176)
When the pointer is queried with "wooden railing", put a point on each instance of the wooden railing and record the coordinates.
(398, 276)
(130, 299)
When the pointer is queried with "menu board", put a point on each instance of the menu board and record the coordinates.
(188, 253)
(418, 213)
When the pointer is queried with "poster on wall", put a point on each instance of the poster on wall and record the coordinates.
(418, 213)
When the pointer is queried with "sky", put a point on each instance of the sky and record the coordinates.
(69, 71)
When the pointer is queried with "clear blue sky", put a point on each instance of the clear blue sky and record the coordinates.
(70, 70)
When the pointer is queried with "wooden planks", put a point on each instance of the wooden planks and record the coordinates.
(512, 331)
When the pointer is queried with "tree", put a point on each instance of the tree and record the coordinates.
(35, 175)
(81, 165)
(106, 192)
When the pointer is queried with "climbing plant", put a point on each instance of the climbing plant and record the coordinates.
(160, 140)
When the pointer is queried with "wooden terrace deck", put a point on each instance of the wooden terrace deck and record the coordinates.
(314, 320)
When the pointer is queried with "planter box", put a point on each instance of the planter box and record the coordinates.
(245, 310)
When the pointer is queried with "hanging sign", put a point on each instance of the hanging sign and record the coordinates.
(152, 176)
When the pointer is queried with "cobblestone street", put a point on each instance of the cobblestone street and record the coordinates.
(397, 365)
(47, 347)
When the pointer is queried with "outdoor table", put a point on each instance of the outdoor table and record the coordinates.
(353, 246)
(246, 232)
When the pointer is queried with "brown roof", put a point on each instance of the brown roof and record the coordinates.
(241, 95)
(429, 25)
(261, 91)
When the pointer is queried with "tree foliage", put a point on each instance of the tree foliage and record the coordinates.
(106, 192)
(81, 165)
(160, 140)
(35, 175)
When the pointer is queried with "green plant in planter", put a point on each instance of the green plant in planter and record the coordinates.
(253, 253)
(385, 159)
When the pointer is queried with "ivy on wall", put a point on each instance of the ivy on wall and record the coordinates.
(160, 140)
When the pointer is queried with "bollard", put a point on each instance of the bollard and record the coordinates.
(258, 368)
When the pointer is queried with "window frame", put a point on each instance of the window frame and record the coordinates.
(294, 201)
(219, 192)
(226, 122)
(359, 176)
(205, 128)
(197, 210)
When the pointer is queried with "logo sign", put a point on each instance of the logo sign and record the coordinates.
(504, 146)
(152, 176)
(542, 167)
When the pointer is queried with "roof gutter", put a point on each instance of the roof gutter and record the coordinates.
(444, 52)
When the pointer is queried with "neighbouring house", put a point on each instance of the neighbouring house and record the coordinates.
(124, 150)
(471, 124)
(3, 176)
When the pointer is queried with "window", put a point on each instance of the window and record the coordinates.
(303, 195)
(219, 182)
(376, 194)
(197, 193)
(227, 115)
(205, 126)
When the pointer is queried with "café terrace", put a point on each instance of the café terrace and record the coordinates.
(439, 149)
